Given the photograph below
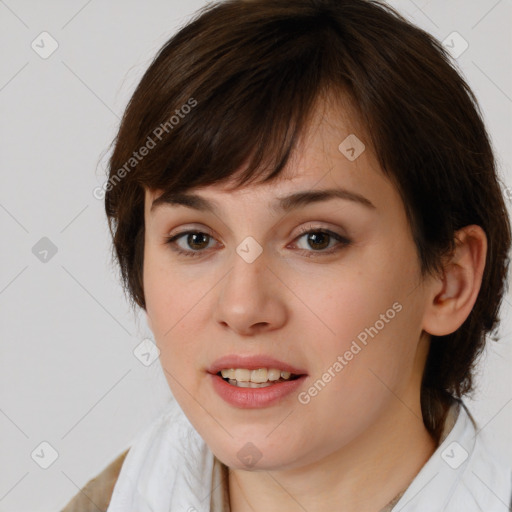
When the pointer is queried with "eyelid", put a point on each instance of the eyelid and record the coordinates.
(342, 240)
(173, 236)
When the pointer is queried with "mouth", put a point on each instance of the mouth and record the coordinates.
(239, 380)
(259, 378)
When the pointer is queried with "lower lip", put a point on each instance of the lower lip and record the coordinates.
(254, 398)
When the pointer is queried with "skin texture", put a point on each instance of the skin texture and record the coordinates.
(361, 440)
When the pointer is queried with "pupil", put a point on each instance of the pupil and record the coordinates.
(192, 243)
(314, 237)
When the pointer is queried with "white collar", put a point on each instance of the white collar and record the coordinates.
(169, 467)
(462, 475)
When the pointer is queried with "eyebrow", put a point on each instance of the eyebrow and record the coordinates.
(281, 205)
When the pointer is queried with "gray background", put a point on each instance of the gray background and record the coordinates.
(69, 376)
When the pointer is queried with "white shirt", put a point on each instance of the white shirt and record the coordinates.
(170, 468)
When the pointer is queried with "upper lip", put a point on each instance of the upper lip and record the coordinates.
(252, 363)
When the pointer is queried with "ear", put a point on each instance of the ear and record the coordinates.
(453, 294)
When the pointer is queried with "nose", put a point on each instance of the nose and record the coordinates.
(251, 298)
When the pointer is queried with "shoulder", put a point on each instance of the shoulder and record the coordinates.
(96, 494)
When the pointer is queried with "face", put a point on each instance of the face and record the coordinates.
(330, 287)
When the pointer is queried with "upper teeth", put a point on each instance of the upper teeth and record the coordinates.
(260, 375)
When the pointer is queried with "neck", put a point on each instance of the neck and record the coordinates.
(367, 474)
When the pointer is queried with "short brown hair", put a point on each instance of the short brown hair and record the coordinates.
(253, 70)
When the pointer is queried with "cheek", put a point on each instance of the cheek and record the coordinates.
(362, 371)
(371, 321)
(168, 309)
(163, 290)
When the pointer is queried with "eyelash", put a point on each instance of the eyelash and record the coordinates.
(343, 241)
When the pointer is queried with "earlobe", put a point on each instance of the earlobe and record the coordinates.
(454, 294)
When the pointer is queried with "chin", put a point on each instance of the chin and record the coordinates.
(250, 454)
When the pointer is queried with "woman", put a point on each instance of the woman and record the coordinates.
(304, 201)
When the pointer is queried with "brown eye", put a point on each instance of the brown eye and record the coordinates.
(195, 242)
(319, 239)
